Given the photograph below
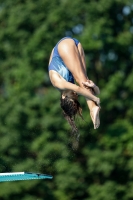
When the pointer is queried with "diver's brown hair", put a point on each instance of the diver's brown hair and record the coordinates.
(70, 109)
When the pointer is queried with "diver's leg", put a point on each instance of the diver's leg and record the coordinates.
(74, 59)
(94, 110)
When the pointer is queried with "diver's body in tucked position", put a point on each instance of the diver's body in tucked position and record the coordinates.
(66, 64)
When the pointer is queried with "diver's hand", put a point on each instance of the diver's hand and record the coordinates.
(89, 84)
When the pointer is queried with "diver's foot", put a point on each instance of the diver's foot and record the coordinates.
(95, 116)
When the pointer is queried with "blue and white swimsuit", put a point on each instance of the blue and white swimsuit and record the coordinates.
(58, 65)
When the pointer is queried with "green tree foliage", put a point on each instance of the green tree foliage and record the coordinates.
(34, 136)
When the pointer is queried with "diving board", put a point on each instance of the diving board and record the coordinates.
(20, 176)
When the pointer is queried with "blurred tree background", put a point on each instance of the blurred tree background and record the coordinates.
(34, 136)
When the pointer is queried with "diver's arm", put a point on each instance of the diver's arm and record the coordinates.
(62, 84)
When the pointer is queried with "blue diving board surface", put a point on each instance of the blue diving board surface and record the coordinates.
(20, 176)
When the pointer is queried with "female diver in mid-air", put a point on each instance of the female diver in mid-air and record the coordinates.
(67, 62)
